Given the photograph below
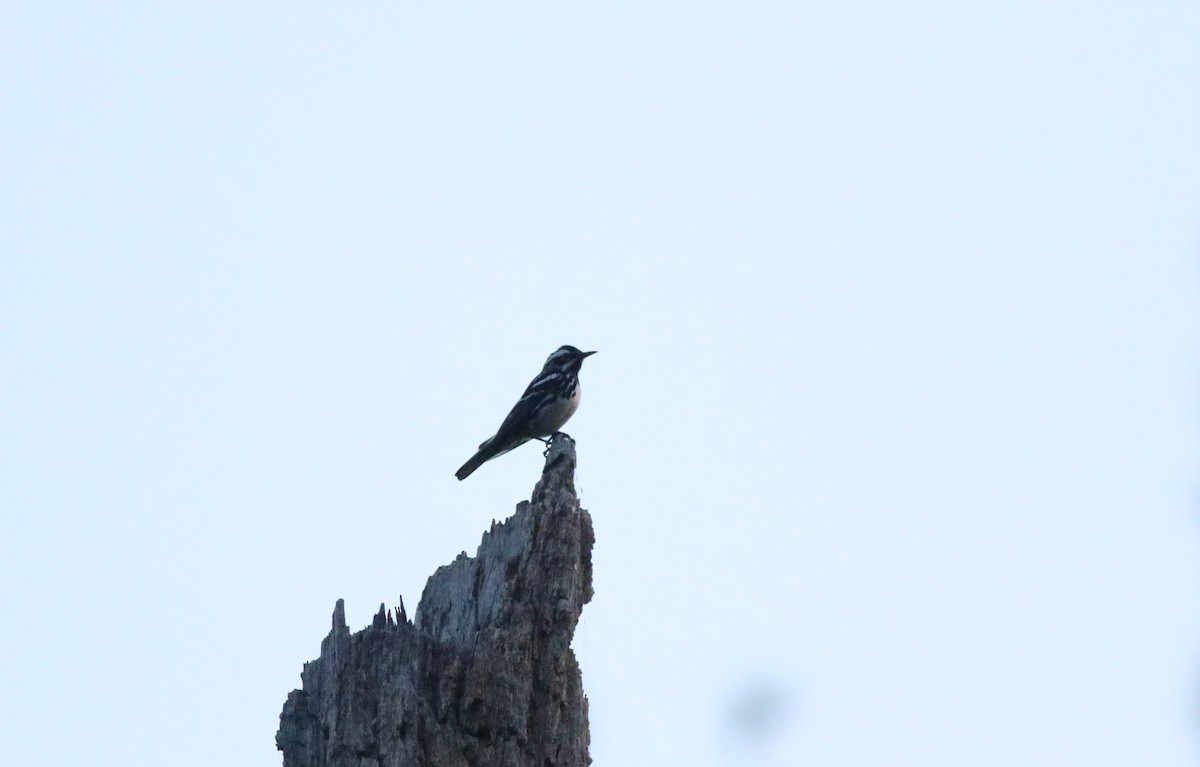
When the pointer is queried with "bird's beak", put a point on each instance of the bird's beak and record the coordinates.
(588, 354)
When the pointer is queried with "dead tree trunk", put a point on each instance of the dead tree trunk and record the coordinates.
(484, 677)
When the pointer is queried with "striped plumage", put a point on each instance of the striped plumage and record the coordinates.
(548, 402)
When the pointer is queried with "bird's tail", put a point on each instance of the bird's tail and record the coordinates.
(485, 454)
(487, 451)
(471, 465)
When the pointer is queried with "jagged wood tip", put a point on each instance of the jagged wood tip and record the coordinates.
(483, 676)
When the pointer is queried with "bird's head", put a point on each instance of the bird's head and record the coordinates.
(566, 358)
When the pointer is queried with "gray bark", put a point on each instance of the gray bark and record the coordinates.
(484, 677)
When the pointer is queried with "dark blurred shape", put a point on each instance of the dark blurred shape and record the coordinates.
(759, 710)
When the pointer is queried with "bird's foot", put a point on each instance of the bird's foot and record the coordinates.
(549, 441)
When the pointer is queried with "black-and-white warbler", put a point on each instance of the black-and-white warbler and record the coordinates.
(548, 401)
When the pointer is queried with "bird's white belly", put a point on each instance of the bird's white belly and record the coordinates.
(553, 418)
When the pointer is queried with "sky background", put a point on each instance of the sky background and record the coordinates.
(891, 441)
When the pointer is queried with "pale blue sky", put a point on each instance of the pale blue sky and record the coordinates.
(893, 416)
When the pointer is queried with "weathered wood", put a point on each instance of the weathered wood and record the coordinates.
(484, 677)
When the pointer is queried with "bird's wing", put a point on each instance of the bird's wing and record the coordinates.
(531, 401)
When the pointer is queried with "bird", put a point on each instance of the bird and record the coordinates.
(548, 402)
